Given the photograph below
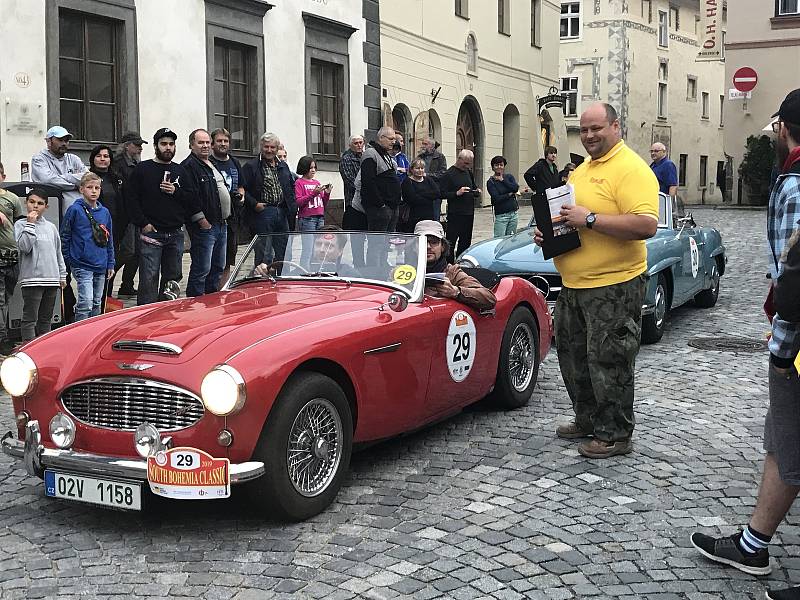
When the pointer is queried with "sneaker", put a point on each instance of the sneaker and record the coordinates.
(792, 593)
(600, 449)
(727, 551)
(571, 431)
(127, 291)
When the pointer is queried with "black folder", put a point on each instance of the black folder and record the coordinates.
(553, 245)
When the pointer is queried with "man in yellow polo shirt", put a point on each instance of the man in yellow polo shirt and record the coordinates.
(599, 310)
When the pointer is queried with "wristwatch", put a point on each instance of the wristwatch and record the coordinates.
(590, 219)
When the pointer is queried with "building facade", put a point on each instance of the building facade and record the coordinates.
(305, 69)
(473, 74)
(766, 37)
(641, 57)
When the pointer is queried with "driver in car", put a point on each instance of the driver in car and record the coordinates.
(456, 284)
(326, 257)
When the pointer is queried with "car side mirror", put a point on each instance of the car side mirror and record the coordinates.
(397, 302)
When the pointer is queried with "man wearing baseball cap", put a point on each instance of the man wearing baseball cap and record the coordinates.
(456, 284)
(55, 166)
(748, 550)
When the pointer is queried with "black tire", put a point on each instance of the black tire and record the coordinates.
(277, 493)
(653, 325)
(516, 372)
(708, 297)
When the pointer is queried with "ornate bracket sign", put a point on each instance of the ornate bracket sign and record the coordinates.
(553, 99)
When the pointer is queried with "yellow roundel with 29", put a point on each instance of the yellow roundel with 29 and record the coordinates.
(404, 274)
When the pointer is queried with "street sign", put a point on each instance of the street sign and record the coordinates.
(745, 79)
(737, 95)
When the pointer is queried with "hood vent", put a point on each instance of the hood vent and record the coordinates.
(146, 346)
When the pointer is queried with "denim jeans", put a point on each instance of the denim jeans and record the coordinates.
(505, 224)
(309, 224)
(209, 247)
(158, 252)
(379, 220)
(270, 220)
(90, 292)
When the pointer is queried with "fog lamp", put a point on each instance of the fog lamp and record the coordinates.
(62, 431)
(146, 439)
(23, 417)
(18, 374)
(223, 390)
(225, 438)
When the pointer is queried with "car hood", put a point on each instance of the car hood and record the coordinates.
(195, 324)
(511, 254)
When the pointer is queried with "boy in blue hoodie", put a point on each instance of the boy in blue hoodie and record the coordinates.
(88, 247)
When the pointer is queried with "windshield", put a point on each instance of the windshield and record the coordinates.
(390, 259)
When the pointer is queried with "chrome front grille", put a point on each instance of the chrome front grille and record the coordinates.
(123, 403)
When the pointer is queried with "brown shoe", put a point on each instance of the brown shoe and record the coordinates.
(571, 431)
(600, 449)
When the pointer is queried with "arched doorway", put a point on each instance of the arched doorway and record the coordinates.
(401, 116)
(469, 135)
(511, 139)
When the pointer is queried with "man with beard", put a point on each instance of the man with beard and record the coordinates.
(159, 205)
(55, 166)
(748, 550)
(208, 229)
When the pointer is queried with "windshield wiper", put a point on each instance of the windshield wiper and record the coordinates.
(320, 274)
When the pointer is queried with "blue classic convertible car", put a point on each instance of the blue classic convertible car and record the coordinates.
(684, 262)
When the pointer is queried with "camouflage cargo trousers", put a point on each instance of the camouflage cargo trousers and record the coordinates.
(597, 338)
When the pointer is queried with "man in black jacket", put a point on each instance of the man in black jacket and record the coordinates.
(268, 199)
(458, 188)
(125, 161)
(543, 174)
(208, 230)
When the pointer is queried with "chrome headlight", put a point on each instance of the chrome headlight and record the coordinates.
(18, 374)
(62, 431)
(146, 440)
(468, 261)
(223, 391)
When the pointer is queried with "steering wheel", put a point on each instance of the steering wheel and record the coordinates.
(279, 263)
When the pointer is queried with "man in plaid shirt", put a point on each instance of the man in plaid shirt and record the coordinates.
(780, 481)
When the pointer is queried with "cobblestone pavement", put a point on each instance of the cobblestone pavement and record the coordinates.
(486, 505)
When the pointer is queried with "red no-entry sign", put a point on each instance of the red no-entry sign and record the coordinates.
(745, 79)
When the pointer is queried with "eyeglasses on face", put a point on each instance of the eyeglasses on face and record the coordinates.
(433, 241)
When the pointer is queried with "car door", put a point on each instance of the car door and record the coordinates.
(463, 357)
(690, 271)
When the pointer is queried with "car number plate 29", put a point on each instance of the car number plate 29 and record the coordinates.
(106, 492)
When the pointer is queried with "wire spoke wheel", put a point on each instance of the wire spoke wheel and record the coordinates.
(315, 447)
(521, 357)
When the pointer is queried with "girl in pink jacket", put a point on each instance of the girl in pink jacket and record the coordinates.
(312, 197)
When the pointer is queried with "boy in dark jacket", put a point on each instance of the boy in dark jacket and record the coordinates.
(88, 247)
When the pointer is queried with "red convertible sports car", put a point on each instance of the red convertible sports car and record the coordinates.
(268, 382)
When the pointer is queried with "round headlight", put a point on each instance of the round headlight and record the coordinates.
(223, 390)
(18, 374)
(62, 431)
(146, 439)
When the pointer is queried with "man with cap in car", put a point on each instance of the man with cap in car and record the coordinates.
(56, 167)
(456, 284)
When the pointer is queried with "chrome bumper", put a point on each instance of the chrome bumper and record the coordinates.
(37, 458)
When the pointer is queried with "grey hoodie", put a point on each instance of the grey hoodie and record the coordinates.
(40, 260)
(63, 173)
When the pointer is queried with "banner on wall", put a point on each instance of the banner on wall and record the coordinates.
(710, 32)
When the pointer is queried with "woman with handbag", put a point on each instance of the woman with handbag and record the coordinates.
(88, 246)
(419, 194)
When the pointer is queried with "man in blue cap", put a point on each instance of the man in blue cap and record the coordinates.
(56, 167)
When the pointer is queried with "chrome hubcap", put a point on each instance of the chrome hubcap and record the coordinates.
(521, 357)
(661, 306)
(315, 447)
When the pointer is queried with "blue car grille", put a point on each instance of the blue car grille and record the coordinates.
(123, 403)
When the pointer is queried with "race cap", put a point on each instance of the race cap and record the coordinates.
(433, 228)
(57, 131)
(790, 108)
(164, 132)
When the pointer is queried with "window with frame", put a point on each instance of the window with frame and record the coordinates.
(722, 110)
(569, 89)
(663, 29)
(662, 100)
(231, 99)
(536, 8)
(472, 54)
(647, 11)
(462, 8)
(88, 76)
(503, 17)
(787, 7)
(570, 20)
(703, 171)
(325, 109)
(683, 160)
(691, 87)
(705, 104)
(674, 18)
